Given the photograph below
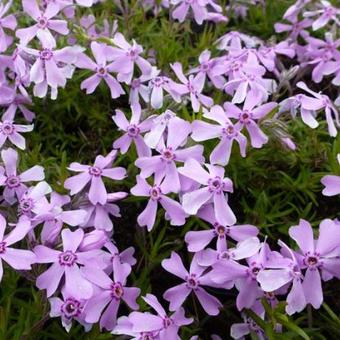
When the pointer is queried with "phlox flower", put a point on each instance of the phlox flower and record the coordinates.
(30, 202)
(68, 309)
(18, 259)
(102, 70)
(235, 40)
(51, 67)
(53, 215)
(193, 86)
(325, 14)
(93, 174)
(111, 293)
(125, 327)
(125, 256)
(245, 276)
(125, 56)
(11, 131)
(14, 182)
(44, 23)
(198, 240)
(296, 28)
(198, 8)
(194, 279)
(321, 101)
(167, 122)
(225, 131)
(133, 130)
(19, 102)
(66, 263)
(166, 326)
(157, 194)
(214, 185)
(248, 116)
(164, 164)
(331, 183)
(6, 22)
(98, 215)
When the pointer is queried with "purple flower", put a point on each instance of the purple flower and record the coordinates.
(93, 174)
(110, 295)
(44, 23)
(54, 216)
(198, 8)
(19, 102)
(214, 185)
(193, 86)
(198, 240)
(194, 279)
(101, 54)
(126, 256)
(167, 122)
(6, 21)
(296, 28)
(10, 130)
(18, 259)
(125, 56)
(98, 215)
(325, 14)
(66, 264)
(157, 194)
(68, 309)
(163, 165)
(321, 101)
(234, 40)
(125, 327)
(225, 131)
(13, 182)
(248, 116)
(245, 276)
(133, 130)
(331, 183)
(166, 326)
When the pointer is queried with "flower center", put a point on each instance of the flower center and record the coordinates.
(135, 83)
(245, 117)
(101, 71)
(167, 322)
(67, 258)
(26, 205)
(312, 260)
(42, 22)
(7, 128)
(157, 82)
(254, 270)
(71, 308)
(192, 281)
(229, 130)
(117, 290)
(168, 155)
(133, 130)
(95, 171)
(147, 336)
(216, 185)
(2, 247)
(155, 193)
(132, 54)
(205, 66)
(12, 181)
(46, 54)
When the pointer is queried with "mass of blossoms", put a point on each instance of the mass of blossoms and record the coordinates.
(177, 128)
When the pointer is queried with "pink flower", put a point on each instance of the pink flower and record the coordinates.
(226, 131)
(66, 263)
(193, 86)
(133, 130)
(125, 56)
(94, 174)
(101, 54)
(157, 194)
(331, 183)
(111, 293)
(7, 22)
(248, 116)
(18, 259)
(14, 183)
(44, 23)
(194, 279)
(198, 8)
(9, 130)
(164, 164)
(214, 185)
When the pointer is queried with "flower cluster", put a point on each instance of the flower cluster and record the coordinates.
(69, 237)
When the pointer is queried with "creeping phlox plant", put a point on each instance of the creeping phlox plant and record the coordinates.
(176, 129)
